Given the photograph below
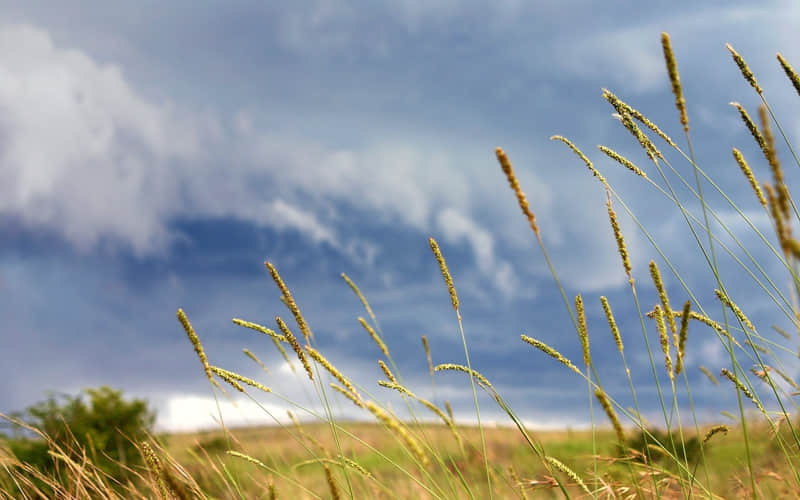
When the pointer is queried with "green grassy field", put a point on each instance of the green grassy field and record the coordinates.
(516, 472)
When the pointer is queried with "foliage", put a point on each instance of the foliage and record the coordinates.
(106, 428)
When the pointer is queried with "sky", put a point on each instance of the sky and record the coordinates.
(154, 156)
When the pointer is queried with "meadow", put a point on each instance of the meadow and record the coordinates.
(751, 453)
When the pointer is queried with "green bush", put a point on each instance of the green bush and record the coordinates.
(658, 445)
(106, 428)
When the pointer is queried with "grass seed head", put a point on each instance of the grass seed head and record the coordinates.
(505, 164)
(623, 250)
(449, 410)
(461, 368)
(551, 352)
(375, 337)
(569, 472)
(715, 430)
(622, 107)
(582, 157)
(708, 374)
(652, 152)
(349, 395)
(790, 72)
(260, 328)
(156, 469)
(583, 332)
(331, 483)
(398, 429)
(226, 374)
(358, 294)
(319, 358)
(622, 160)
(612, 415)
(198, 346)
(663, 338)
(752, 127)
(674, 78)
(301, 355)
(748, 173)
(387, 371)
(784, 199)
(427, 348)
(662, 296)
(739, 385)
(289, 301)
(612, 323)
(733, 307)
(744, 68)
(255, 359)
(782, 227)
(448, 279)
(684, 333)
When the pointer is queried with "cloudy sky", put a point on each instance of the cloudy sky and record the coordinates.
(153, 156)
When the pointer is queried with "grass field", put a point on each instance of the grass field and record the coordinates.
(517, 472)
(750, 454)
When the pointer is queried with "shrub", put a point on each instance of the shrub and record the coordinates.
(106, 428)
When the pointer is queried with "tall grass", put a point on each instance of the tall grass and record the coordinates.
(754, 455)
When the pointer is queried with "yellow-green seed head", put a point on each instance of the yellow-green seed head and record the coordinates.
(684, 333)
(582, 157)
(612, 323)
(748, 173)
(623, 250)
(198, 347)
(551, 352)
(790, 72)
(663, 338)
(448, 279)
(375, 337)
(319, 358)
(612, 415)
(386, 371)
(427, 348)
(622, 107)
(715, 430)
(708, 374)
(289, 301)
(672, 70)
(739, 385)
(505, 164)
(301, 355)
(349, 395)
(583, 332)
(744, 68)
(358, 294)
(751, 126)
(662, 295)
(622, 161)
(461, 368)
(733, 307)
